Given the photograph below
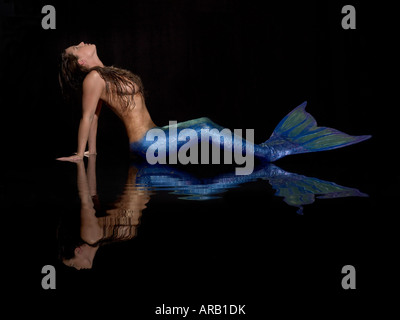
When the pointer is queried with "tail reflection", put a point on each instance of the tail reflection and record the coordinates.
(297, 190)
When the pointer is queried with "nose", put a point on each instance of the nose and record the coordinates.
(82, 43)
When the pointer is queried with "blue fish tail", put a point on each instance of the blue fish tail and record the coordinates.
(298, 133)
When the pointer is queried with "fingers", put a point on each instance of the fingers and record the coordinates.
(87, 154)
(74, 158)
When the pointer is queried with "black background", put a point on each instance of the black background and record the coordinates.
(244, 65)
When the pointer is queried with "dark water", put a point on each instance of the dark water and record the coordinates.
(191, 236)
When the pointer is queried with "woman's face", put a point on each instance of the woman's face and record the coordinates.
(83, 258)
(83, 51)
(78, 263)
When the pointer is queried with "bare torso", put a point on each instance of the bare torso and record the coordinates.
(135, 117)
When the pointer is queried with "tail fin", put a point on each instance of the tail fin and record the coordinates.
(298, 133)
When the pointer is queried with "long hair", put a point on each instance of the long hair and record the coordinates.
(119, 82)
(117, 227)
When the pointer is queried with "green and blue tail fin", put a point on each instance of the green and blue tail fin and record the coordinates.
(298, 133)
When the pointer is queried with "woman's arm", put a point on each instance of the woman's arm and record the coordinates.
(93, 86)
(91, 232)
(92, 89)
(93, 130)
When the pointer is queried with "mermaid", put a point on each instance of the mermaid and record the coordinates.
(83, 73)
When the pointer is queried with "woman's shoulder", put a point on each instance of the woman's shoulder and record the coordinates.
(93, 75)
(93, 78)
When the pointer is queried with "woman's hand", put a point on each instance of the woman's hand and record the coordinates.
(73, 158)
(88, 154)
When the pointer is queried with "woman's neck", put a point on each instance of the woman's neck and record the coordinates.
(96, 62)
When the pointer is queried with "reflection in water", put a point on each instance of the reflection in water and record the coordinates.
(80, 240)
(78, 246)
(297, 190)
